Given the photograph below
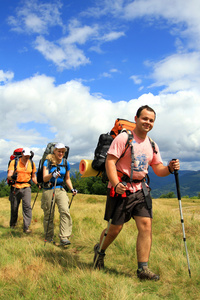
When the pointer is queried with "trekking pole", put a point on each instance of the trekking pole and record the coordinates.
(71, 201)
(108, 226)
(181, 214)
(52, 200)
(35, 199)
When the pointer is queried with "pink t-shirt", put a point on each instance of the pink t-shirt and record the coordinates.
(143, 158)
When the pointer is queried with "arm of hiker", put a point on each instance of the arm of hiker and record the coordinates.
(112, 174)
(46, 175)
(162, 171)
(69, 183)
(34, 178)
(10, 175)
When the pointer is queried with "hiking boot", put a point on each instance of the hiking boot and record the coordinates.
(99, 264)
(65, 242)
(146, 273)
(27, 231)
(50, 240)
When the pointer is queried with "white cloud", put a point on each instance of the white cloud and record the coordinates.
(106, 74)
(6, 76)
(36, 17)
(79, 34)
(111, 36)
(178, 72)
(66, 51)
(136, 79)
(77, 118)
(64, 56)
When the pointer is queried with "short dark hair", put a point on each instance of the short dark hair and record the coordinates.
(140, 109)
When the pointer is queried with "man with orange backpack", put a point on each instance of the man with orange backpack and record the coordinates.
(128, 192)
(20, 173)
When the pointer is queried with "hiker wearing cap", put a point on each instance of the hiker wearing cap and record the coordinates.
(56, 172)
(130, 197)
(22, 175)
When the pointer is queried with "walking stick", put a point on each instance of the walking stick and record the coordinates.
(181, 214)
(35, 199)
(52, 200)
(106, 231)
(71, 201)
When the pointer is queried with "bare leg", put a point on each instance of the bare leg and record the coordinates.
(113, 232)
(144, 239)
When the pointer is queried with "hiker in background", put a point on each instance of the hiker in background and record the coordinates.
(55, 170)
(131, 199)
(21, 176)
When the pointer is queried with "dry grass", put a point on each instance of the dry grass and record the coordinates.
(30, 270)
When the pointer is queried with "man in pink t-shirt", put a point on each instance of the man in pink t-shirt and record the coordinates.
(130, 197)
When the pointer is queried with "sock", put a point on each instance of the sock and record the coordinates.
(142, 264)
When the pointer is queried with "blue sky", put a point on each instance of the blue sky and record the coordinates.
(68, 69)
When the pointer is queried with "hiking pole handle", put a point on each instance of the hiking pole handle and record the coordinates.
(177, 182)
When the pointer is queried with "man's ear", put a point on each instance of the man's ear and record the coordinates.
(135, 119)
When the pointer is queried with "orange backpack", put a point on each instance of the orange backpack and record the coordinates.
(120, 125)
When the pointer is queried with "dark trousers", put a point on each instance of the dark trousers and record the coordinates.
(16, 195)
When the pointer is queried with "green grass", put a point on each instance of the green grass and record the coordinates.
(30, 270)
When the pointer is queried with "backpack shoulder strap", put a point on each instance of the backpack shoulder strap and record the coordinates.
(65, 163)
(127, 145)
(153, 145)
(16, 163)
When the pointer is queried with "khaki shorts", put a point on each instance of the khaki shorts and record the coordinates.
(122, 209)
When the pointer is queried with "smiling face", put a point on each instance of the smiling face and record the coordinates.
(144, 123)
(59, 153)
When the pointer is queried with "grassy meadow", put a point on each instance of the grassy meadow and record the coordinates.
(30, 270)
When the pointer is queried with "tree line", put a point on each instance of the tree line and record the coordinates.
(87, 185)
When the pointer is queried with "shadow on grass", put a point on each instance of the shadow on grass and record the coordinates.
(7, 232)
(68, 258)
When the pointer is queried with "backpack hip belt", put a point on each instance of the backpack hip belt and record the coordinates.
(126, 178)
(145, 190)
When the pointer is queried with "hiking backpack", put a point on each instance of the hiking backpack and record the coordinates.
(105, 140)
(49, 150)
(17, 153)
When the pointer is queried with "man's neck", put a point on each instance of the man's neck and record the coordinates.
(140, 134)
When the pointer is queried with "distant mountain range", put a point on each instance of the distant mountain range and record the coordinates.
(189, 182)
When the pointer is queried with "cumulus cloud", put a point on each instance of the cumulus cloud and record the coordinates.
(72, 115)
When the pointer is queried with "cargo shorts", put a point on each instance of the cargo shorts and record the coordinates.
(122, 209)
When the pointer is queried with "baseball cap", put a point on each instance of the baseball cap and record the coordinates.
(60, 146)
(26, 151)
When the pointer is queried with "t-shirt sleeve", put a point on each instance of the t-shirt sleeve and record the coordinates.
(68, 166)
